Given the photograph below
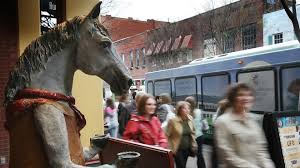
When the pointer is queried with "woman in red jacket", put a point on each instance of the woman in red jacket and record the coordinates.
(144, 127)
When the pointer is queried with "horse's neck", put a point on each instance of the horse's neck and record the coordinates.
(58, 74)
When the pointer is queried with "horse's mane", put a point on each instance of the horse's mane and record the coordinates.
(36, 54)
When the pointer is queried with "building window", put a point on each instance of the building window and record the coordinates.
(249, 36)
(162, 61)
(131, 59)
(137, 58)
(278, 38)
(169, 59)
(179, 57)
(210, 47)
(144, 57)
(153, 60)
(189, 56)
(229, 41)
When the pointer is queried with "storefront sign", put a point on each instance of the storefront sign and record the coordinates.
(289, 132)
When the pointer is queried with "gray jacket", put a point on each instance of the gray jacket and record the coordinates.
(241, 142)
(163, 110)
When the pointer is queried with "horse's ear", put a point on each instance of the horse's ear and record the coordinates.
(95, 12)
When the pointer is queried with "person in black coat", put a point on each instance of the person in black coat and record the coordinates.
(123, 114)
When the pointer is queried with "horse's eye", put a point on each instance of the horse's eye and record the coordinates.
(95, 24)
(105, 44)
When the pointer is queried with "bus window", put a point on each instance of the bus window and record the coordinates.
(213, 90)
(150, 88)
(290, 88)
(163, 86)
(263, 82)
(185, 87)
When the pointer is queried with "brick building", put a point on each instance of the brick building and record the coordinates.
(129, 37)
(132, 51)
(233, 27)
(120, 28)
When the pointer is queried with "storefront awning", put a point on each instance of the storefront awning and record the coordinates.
(187, 42)
(150, 49)
(176, 43)
(159, 47)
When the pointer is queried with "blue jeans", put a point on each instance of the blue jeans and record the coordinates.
(113, 131)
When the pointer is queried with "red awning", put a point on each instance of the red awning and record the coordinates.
(150, 49)
(159, 47)
(187, 42)
(176, 43)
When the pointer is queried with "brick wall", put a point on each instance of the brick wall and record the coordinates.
(132, 43)
(129, 35)
(125, 27)
(8, 55)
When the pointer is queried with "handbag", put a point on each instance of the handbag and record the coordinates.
(193, 151)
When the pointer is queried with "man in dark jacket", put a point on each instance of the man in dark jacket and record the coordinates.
(123, 114)
(131, 107)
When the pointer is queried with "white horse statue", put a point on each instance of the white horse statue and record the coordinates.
(42, 121)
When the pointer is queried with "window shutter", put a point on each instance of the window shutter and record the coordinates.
(270, 40)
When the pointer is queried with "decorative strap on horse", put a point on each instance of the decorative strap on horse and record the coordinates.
(28, 98)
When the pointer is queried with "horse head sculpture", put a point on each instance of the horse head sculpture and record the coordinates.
(42, 119)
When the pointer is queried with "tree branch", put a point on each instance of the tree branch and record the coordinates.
(292, 16)
(287, 10)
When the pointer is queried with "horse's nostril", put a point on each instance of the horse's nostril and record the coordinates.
(130, 82)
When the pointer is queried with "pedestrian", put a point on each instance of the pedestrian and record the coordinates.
(131, 107)
(144, 127)
(123, 114)
(200, 125)
(222, 105)
(111, 117)
(181, 134)
(240, 140)
(165, 111)
(133, 95)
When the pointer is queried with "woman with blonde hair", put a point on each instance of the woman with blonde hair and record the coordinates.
(181, 134)
(200, 124)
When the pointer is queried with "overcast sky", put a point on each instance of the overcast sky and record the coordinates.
(164, 10)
